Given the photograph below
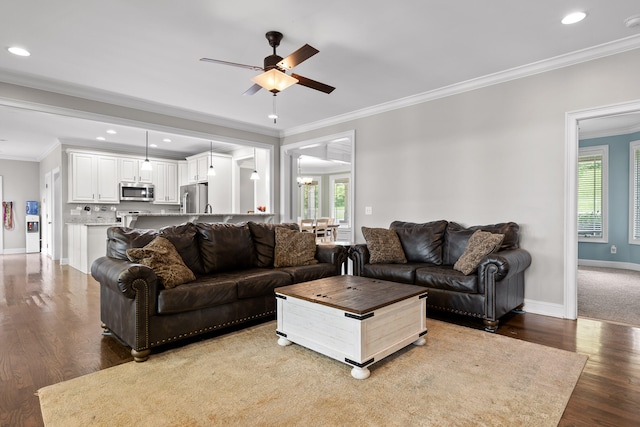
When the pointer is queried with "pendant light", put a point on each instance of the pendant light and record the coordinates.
(254, 175)
(211, 171)
(146, 165)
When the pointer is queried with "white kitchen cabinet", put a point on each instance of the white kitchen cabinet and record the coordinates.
(93, 178)
(166, 182)
(197, 167)
(85, 244)
(131, 171)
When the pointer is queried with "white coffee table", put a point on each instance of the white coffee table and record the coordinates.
(355, 320)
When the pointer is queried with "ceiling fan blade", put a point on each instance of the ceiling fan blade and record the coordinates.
(253, 89)
(233, 64)
(302, 54)
(313, 84)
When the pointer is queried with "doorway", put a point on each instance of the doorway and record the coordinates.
(325, 169)
(572, 121)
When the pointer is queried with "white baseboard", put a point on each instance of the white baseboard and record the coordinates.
(15, 251)
(609, 264)
(544, 308)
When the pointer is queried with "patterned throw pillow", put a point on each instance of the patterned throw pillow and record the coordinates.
(384, 246)
(161, 256)
(294, 248)
(480, 243)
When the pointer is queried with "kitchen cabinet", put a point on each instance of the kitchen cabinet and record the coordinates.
(131, 171)
(85, 244)
(197, 168)
(166, 182)
(93, 178)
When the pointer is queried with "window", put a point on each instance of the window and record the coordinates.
(634, 196)
(339, 197)
(310, 199)
(592, 193)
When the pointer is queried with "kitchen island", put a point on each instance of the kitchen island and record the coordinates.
(148, 220)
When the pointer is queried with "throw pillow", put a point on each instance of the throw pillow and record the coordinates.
(294, 248)
(384, 246)
(161, 256)
(264, 238)
(480, 243)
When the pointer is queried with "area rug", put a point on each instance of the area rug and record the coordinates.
(461, 377)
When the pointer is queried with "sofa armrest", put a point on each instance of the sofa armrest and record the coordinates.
(505, 263)
(126, 278)
(359, 255)
(332, 254)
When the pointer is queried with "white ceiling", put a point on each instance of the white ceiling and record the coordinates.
(145, 54)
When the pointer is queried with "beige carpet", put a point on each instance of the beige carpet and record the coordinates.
(461, 377)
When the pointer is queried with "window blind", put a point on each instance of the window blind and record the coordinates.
(590, 193)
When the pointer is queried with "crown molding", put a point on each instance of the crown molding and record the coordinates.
(561, 61)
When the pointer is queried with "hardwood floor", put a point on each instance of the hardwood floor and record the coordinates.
(50, 332)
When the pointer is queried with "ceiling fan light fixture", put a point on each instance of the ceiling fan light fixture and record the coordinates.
(274, 80)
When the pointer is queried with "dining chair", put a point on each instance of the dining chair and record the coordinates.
(322, 229)
(306, 225)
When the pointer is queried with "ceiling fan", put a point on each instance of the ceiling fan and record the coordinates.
(275, 78)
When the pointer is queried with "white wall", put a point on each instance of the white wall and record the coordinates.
(20, 183)
(490, 155)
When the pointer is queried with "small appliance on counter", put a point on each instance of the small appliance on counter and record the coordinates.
(194, 198)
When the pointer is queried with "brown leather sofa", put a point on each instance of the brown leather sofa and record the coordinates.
(235, 279)
(432, 249)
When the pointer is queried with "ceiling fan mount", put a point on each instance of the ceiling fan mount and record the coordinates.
(276, 82)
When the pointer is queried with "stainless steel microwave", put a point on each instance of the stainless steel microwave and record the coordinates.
(136, 191)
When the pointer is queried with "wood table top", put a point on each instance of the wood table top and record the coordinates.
(354, 294)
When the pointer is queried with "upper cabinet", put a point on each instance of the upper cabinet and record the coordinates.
(197, 168)
(93, 178)
(131, 171)
(165, 180)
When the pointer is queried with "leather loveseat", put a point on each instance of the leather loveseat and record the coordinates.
(431, 250)
(233, 265)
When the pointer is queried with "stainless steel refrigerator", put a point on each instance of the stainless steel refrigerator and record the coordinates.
(194, 198)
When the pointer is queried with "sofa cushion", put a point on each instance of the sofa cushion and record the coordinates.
(421, 242)
(510, 231)
(384, 246)
(264, 239)
(204, 292)
(119, 239)
(481, 243)
(185, 238)
(457, 236)
(305, 273)
(225, 247)
(258, 282)
(401, 273)
(161, 256)
(294, 248)
(445, 277)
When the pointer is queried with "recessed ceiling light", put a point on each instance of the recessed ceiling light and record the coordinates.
(112, 132)
(632, 21)
(19, 51)
(101, 138)
(166, 140)
(574, 17)
(153, 145)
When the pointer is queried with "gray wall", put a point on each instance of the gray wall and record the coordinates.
(20, 183)
(489, 155)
